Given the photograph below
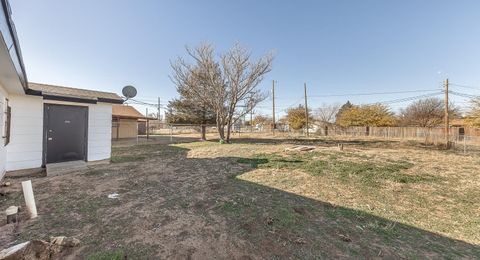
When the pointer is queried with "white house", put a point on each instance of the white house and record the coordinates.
(41, 123)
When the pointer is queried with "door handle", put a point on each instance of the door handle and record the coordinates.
(50, 139)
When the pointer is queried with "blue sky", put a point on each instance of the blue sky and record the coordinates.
(336, 47)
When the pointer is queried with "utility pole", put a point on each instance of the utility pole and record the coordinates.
(446, 120)
(273, 107)
(306, 106)
(251, 120)
(158, 108)
(147, 125)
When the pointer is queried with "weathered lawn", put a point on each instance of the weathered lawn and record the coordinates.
(253, 200)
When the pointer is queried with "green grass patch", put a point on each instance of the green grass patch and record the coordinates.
(198, 144)
(139, 153)
(254, 162)
(367, 172)
(289, 219)
(343, 166)
(127, 158)
(95, 172)
(232, 207)
(107, 255)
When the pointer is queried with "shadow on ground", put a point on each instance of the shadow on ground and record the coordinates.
(173, 206)
(153, 139)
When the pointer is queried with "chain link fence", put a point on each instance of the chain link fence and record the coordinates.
(464, 139)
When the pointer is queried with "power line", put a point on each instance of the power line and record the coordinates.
(375, 93)
(399, 100)
(464, 86)
(138, 102)
(387, 102)
(412, 98)
(462, 94)
(146, 99)
(370, 94)
(142, 102)
(293, 104)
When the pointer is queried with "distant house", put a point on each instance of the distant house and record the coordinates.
(42, 124)
(459, 122)
(125, 121)
(462, 127)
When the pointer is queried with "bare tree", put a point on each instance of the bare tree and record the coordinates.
(262, 120)
(426, 113)
(229, 86)
(473, 116)
(327, 113)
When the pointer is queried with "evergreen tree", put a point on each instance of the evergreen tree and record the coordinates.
(190, 111)
(342, 109)
(367, 115)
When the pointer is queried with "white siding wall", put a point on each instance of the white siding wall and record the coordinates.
(25, 148)
(99, 131)
(3, 148)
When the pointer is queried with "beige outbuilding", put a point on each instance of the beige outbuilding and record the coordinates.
(125, 121)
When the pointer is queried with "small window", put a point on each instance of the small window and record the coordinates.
(8, 119)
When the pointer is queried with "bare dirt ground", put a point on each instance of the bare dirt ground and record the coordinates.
(253, 200)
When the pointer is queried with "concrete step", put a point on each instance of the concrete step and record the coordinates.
(55, 169)
(27, 173)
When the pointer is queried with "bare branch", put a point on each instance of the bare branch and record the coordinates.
(229, 85)
(327, 113)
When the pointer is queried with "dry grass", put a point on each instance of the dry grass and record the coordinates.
(433, 190)
(253, 200)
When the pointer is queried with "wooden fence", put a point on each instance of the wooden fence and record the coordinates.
(463, 138)
(455, 133)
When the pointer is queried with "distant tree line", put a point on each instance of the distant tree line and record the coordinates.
(473, 117)
(422, 113)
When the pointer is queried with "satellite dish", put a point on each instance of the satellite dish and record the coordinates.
(129, 92)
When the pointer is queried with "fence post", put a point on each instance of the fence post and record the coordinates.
(29, 198)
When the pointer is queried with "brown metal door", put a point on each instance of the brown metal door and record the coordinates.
(65, 133)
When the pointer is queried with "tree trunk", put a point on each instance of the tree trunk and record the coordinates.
(229, 128)
(221, 132)
(221, 129)
(204, 133)
(203, 127)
